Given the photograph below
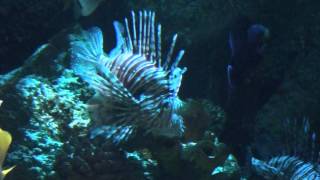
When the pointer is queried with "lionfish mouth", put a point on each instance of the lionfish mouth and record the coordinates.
(134, 85)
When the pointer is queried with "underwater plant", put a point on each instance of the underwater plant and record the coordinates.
(134, 86)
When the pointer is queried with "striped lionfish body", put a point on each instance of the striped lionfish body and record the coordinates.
(286, 167)
(134, 86)
(303, 164)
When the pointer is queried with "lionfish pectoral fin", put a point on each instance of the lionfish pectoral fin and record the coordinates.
(116, 133)
(118, 104)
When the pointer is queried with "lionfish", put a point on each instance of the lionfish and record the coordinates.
(304, 164)
(134, 86)
(286, 167)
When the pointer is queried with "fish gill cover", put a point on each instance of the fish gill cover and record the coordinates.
(134, 85)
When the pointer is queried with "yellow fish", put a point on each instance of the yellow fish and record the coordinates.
(5, 141)
(82, 7)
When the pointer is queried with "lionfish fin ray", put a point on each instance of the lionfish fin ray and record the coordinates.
(130, 44)
(134, 31)
(158, 55)
(177, 60)
(116, 133)
(140, 33)
(152, 39)
(169, 56)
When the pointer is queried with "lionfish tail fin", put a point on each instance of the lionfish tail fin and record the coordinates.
(121, 44)
(91, 64)
(86, 50)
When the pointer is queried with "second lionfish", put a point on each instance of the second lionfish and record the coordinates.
(134, 86)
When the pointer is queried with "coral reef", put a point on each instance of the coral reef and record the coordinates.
(206, 158)
(41, 138)
(211, 116)
(210, 158)
(83, 158)
(52, 106)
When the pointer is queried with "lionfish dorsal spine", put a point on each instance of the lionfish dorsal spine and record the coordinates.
(140, 33)
(129, 36)
(134, 31)
(178, 59)
(170, 52)
(158, 56)
(144, 42)
(144, 37)
(149, 35)
(151, 48)
(153, 40)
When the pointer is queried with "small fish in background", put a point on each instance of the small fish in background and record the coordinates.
(82, 7)
(247, 42)
(5, 141)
